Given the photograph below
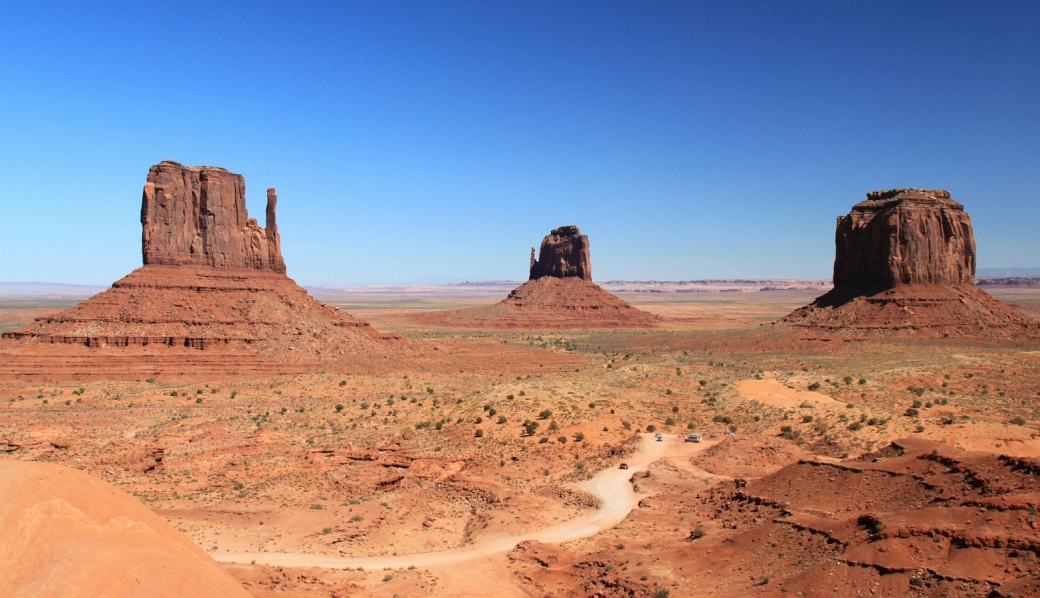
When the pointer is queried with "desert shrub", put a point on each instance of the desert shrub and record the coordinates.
(479, 433)
(543, 440)
(814, 386)
(553, 426)
(339, 407)
(579, 437)
(806, 419)
(669, 422)
(491, 412)
(429, 390)
(530, 427)
(806, 405)
(479, 420)
(847, 380)
(651, 428)
(561, 439)
(789, 433)
(855, 426)
(198, 400)
(675, 409)
(501, 419)
(544, 414)
(917, 390)
(916, 404)
(510, 397)
(912, 412)
(1018, 420)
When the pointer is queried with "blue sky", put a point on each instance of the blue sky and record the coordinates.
(438, 141)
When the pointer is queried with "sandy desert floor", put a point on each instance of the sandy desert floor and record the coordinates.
(329, 484)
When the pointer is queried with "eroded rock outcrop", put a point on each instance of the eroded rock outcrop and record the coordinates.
(213, 280)
(197, 216)
(903, 236)
(564, 253)
(559, 294)
(905, 263)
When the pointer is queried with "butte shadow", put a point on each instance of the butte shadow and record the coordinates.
(559, 294)
(905, 265)
(211, 298)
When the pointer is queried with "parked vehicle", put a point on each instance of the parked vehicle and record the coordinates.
(623, 466)
(694, 437)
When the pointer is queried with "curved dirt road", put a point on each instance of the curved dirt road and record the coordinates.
(611, 486)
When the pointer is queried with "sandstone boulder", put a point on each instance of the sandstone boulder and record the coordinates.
(564, 253)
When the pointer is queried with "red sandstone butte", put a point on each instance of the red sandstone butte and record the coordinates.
(564, 253)
(905, 262)
(197, 216)
(559, 294)
(212, 280)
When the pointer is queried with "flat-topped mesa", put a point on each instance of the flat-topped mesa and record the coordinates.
(564, 254)
(903, 237)
(197, 216)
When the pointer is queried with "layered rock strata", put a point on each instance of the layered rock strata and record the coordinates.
(564, 253)
(905, 262)
(212, 279)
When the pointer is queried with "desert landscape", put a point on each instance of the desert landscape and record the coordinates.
(431, 441)
(522, 299)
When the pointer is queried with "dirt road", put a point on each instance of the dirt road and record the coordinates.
(611, 486)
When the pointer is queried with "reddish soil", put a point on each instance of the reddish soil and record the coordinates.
(427, 451)
(65, 533)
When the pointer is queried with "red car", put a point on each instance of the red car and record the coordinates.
(623, 466)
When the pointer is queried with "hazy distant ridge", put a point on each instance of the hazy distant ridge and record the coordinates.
(43, 289)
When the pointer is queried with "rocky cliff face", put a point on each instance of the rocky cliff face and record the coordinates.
(902, 237)
(905, 264)
(564, 254)
(197, 216)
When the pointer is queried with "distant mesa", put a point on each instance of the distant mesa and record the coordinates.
(559, 294)
(905, 262)
(212, 279)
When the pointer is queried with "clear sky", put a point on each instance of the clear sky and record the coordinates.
(437, 141)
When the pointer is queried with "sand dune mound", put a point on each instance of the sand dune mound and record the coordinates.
(64, 533)
(905, 264)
